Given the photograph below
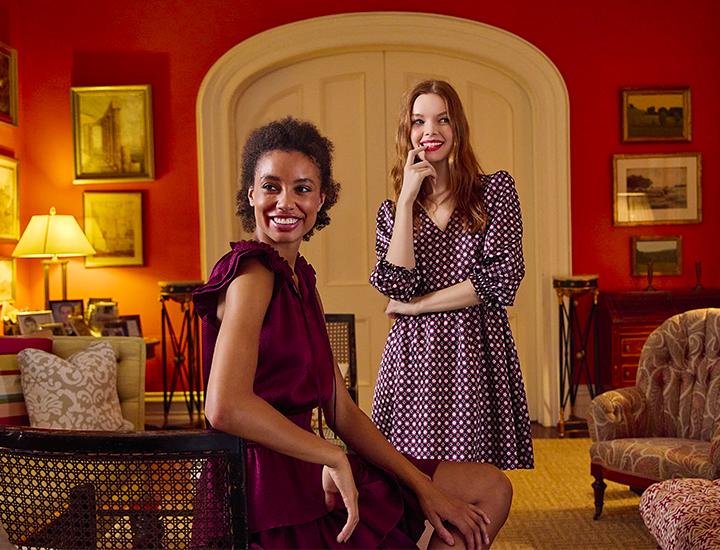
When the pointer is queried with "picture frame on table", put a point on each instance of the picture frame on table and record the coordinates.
(114, 226)
(30, 322)
(112, 134)
(8, 85)
(132, 322)
(7, 279)
(654, 189)
(114, 328)
(9, 209)
(656, 114)
(664, 254)
(64, 311)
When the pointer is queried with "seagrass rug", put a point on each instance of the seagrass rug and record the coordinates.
(553, 505)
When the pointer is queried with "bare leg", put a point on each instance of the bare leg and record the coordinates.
(481, 484)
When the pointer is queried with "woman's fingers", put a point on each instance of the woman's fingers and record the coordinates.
(441, 531)
(352, 520)
(412, 153)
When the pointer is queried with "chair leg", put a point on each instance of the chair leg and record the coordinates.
(599, 490)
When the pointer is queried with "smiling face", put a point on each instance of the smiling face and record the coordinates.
(286, 198)
(431, 128)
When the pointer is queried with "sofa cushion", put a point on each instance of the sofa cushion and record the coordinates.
(77, 393)
(655, 457)
(12, 403)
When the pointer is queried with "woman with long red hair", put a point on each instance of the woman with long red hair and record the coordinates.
(449, 252)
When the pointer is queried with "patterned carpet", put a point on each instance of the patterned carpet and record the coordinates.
(553, 505)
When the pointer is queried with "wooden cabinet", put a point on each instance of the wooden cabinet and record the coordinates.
(626, 319)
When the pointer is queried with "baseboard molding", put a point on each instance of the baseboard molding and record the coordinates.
(178, 414)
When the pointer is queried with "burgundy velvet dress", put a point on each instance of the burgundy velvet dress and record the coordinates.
(286, 507)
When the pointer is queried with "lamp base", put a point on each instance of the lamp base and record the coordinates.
(46, 275)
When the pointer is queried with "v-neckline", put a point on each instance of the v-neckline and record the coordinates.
(434, 223)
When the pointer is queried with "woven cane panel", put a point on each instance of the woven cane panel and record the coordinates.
(338, 333)
(56, 500)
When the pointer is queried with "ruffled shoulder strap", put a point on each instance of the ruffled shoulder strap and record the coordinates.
(205, 297)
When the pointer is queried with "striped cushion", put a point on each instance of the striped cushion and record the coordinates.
(12, 404)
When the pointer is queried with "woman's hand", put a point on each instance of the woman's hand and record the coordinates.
(395, 308)
(339, 485)
(414, 174)
(469, 519)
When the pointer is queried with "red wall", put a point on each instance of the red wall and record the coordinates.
(598, 47)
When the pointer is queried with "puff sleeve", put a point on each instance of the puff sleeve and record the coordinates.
(398, 283)
(501, 267)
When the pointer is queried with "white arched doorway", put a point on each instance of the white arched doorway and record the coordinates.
(547, 172)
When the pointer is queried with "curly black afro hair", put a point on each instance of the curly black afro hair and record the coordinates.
(288, 134)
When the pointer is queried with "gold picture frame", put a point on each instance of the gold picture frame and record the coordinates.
(113, 225)
(656, 114)
(7, 279)
(8, 85)
(663, 253)
(657, 189)
(9, 209)
(112, 134)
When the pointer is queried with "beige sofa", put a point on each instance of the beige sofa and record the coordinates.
(130, 352)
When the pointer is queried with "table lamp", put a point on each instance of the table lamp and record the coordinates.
(53, 236)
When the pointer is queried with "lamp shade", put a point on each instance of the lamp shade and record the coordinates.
(53, 236)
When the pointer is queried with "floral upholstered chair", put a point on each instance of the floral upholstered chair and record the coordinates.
(668, 425)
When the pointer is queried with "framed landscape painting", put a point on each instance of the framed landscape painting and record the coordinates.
(9, 212)
(113, 225)
(8, 84)
(661, 254)
(657, 189)
(112, 134)
(656, 114)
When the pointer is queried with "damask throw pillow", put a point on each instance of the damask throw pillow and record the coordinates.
(77, 393)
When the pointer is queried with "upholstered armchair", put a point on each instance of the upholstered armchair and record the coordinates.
(668, 425)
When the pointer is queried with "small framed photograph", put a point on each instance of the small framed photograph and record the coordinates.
(661, 255)
(113, 225)
(656, 189)
(64, 310)
(8, 85)
(114, 328)
(7, 279)
(32, 321)
(9, 212)
(133, 324)
(656, 114)
(112, 134)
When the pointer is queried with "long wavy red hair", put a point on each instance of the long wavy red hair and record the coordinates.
(465, 181)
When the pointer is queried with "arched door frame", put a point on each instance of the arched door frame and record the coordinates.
(527, 65)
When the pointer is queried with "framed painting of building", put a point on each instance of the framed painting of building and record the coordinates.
(656, 114)
(657, 189)
(113, 225)
(112, 134)
(8, 84)
(9, 211)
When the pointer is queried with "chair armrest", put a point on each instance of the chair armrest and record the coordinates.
(618, 414)
(715, 450)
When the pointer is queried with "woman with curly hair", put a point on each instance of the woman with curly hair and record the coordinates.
(450, 259)
(271, 365)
